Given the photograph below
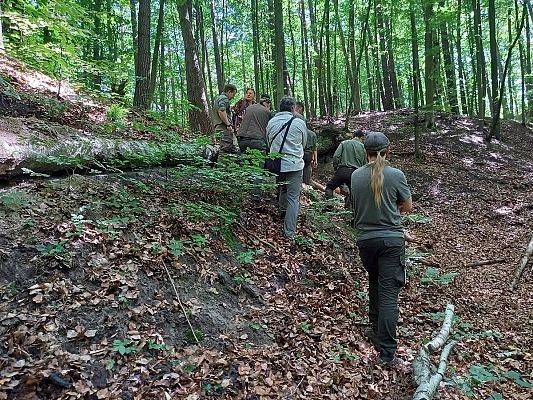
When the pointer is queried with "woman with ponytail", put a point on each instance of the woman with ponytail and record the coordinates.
(380, 194)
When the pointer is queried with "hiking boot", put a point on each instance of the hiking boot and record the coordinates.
(371, 336)
(394, 362)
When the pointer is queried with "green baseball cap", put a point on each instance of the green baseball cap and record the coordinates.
(376, 141)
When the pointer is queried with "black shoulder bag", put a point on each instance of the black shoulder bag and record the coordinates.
(274, 164)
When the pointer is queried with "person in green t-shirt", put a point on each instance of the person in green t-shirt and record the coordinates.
(221, 118)
(380, 194)
(349, 156)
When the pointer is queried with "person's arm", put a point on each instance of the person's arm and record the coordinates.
(314, 159)
(224, 117)
(404, 199)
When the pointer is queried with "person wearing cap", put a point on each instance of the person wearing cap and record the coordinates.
(349, 156)
(240, 108)
(310, 151)
(252, 132)
(221, 118)
(287, 133)
(380, 195)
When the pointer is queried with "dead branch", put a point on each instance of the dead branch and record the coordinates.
(180, 303)
(426, 390)
(522, 265)
(485, 262)
(428, 383)
(439, 340)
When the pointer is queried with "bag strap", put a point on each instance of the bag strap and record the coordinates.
(286, 126)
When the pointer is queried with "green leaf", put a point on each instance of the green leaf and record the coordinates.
(517, 378)
(480, 374)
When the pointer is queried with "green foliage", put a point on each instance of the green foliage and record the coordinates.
(417, 218)
(176, 247)
(52, 249)
(343, 354)
(116, 113)
(157, 346)
(14, 201)
(189, 335)
(306, 326)
(246, 257)
(433, 276)
(244, 277)
(124, 347)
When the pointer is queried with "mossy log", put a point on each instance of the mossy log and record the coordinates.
(328, 138)
(32, 146)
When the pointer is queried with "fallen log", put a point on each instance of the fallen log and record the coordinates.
(30, 146)
(522, 265)
(328, 138)
(426, 381)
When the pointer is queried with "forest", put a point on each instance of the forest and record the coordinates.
(140, 259)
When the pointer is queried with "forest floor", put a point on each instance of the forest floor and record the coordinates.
(88, 309)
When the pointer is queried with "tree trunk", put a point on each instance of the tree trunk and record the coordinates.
(157, 46)
(142, 65)
(510, 75)
(522, 71)
(494, 64)
(462, 77)
(2, 48)
(162, 82)
(416, 74)
(480, 63)
(280, 68)
(304, 51)
(449, 65)
(430, 63)
(216, 50)
(391, 64)
(350, 68)
(133, 16)
(495, 125)
(388, 101)
(255, 40)
(97, 48)
(199, 110)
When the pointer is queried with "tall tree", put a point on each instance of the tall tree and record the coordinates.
(495, 125)
(449, 64)
(216, 50)
(430, 62)
(462, 77)
(281, 87)
(198, 110)
(142, 64)
(2, 48)
(480, 63)
(255, 44)
(387, 94)
(157, 47)
(416, 73)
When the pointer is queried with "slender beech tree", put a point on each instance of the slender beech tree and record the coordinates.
(198, 109)
(430, 62)
(142, 64)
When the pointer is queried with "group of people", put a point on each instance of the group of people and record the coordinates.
(379, 193)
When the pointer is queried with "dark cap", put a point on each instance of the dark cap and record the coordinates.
(376, 141)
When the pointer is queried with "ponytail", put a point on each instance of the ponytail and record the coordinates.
(376, 177)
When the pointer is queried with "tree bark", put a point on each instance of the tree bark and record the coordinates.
(449, 65)
(387, 99)
(280, 68)
(430, 63)
(216, 50)
(480, 64)
(142, 65)
(199, 110)
(416, 74)
(255, 41)
(133, 16)
(462, 77)
(157, 46)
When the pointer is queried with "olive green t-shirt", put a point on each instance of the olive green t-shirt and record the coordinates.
(350, 153)
(221, 103)
(373, 222)
(311, 136)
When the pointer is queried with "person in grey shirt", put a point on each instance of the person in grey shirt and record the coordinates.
(380, 194)
(292, 162)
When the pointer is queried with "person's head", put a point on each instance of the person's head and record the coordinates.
(287, 104)
(377, 147)
(249, 95)
(230, 90)
(359, 134)
(299, 107)
(265, 101)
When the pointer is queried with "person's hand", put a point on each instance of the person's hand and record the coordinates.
(230, 128)
(314, 163)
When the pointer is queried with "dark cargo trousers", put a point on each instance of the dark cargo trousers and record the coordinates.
(384, 260)
(343, 176)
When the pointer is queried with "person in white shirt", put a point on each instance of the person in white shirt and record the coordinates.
(294, 130)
